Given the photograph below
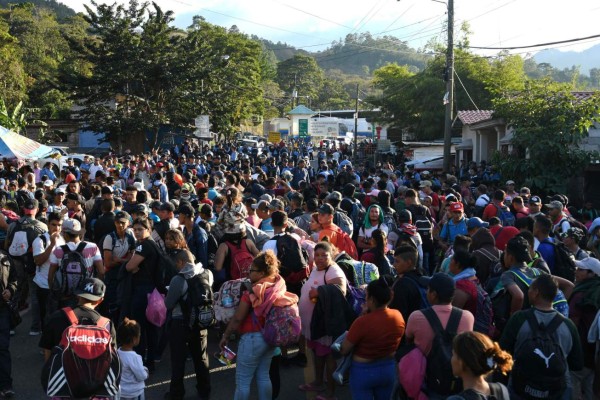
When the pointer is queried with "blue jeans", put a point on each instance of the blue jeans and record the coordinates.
(5, 361)
(373, 380)
(253, 360)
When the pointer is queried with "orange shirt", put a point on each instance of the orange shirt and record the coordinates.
(377, 334)
(331, 231)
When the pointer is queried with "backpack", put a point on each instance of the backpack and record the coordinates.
(197, 307)
(85, 364)
(540, 364)
(422, 291)
(227, 299)
(72, 269)
(506, 217)
(564, 263)
(22, 237)
(240, 259)
(423, 225)
(478, 211)
(282, 326)
(357, 215)
(345, 243)
(390, 222)
(484, 315)
(560, 303)
(438, 375)
(292, 256)
(21, 197)
(344, 222)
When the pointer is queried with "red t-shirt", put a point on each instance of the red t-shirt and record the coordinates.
(377, 334)
(249, 325)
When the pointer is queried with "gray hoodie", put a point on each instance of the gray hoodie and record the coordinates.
(178, 287)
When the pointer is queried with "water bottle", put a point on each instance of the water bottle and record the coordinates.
(227, 299)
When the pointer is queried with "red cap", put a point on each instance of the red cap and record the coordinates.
(69, 178)
(456, 206)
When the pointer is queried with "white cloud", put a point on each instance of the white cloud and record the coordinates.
(493, 22)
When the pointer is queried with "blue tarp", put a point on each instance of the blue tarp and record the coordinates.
(13, 145)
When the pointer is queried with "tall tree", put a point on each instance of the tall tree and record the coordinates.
(300, 74)
(549, 124)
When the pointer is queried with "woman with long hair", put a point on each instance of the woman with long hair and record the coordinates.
(253, 353)
(144, 266)
(377, 254)
(474, 357)
(326, 272)
(373, 338)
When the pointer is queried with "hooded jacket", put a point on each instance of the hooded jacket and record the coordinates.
(483, 247)
(178, 287)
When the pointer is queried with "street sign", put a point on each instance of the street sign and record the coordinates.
(202, 124)
(324, 127)
(303, 127)
(274, 137)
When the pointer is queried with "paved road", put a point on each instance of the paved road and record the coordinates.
(27, 364)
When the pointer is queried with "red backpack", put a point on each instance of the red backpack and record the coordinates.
(346, 244)
(241, 259)
(85, 364)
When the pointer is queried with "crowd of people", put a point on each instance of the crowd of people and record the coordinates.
(407, 284)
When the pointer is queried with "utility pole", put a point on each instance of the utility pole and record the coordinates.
(449, 88)
(356, 127)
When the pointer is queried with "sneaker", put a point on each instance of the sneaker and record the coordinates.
(34, 333)
(7, 393)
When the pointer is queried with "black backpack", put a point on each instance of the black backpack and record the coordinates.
(292, 256)
(540, 364)
(497, 392)
(423, 225)
(564, 263)
(439, 376)
(72, 270)
(197, 307)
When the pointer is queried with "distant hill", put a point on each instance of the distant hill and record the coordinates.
(62, 11)
(586, 59)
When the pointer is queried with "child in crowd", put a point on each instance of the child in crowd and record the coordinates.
(133, 371)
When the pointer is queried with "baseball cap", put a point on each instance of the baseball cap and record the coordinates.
(76, 197)
(167, 206)
(185, 194)
(276, 204)
(72, 226)
(456, 206)
(263, 205)
(425, 184)
(555, 204)
(535, 200)
(90, 288)
(441, 283)
(48, 182)
(574, 233)
(476, 222)
(30, 206)
(59, 190)
(590, 264)
(140, 209)
(122, 216)
(326, 209)
(266, 197)
(510, 183)
(525, 190)
(106, 190)
(139, 186)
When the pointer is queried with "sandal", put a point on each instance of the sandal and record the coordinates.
(323, 397)
(309, 387)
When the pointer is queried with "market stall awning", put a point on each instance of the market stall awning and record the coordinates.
(13, 145)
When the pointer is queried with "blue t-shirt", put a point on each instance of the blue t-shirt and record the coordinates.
(546, 250)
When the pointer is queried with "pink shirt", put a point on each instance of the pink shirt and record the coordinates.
(419, 331)
(253, 220)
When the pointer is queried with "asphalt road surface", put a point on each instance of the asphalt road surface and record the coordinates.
(27, 362)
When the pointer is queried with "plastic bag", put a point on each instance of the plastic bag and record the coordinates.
(156, 311)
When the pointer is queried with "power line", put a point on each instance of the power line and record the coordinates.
(535, 45)
(465, 89)
(313, 15)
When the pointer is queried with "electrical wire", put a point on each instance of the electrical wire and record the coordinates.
(465, 89)
(535, 45)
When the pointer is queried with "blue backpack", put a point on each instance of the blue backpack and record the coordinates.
(506, 217)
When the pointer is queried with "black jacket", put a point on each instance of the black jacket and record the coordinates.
(8, 276)
(332, 315)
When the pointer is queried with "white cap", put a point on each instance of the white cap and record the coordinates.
(48, 183)
(590, 264)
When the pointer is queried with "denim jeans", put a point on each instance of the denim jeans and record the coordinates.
(373, 380)
(5, 361)
(39, 301)
(253, 360)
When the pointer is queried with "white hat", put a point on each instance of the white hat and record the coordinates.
(48, 182)
(590, 264)
(139, 186)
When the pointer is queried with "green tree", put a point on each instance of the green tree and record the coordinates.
(302, 74)
(12, 73)
(549, 124)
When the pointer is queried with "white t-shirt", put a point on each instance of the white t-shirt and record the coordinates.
(366, 233)
(91, 254)
(39, 247)
(272, 243)
(133, 374)
(120, 248)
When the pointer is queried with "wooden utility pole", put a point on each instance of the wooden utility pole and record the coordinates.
(356, 127)
(449, 88)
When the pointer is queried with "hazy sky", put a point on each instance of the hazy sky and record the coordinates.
(313, 24)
